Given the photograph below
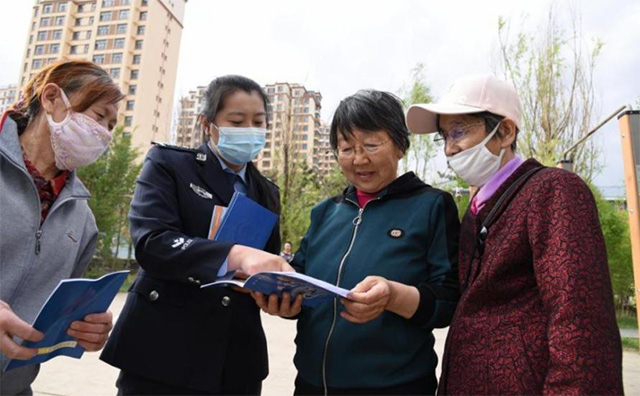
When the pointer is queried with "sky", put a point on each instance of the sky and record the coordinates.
(339, 46)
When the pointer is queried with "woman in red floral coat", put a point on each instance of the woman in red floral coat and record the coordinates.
(536, 312)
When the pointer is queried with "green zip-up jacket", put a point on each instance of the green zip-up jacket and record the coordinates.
(409, 234)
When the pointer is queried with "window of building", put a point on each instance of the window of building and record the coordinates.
(56, 34)
(304, 146)
(143, 15)
(101, 44)
(103, 30)
(35, 12)
(133, 89)
(51, 60)
(42, 36)
(118, 43)
(145, 3)
(47, 9)
(116, 58)
(73, 49)
(305, 128)
(54, 48)
(90, 20)
(123, 14)
(78, 21)
(45, 21)
(75, 36)
(81, 8)
(130, 104)
(136, 59)
(134, 74)
(28, 52)
(141, 29)
(39, 50)
(115, 72)
(59, 20)
(138, 44)
(125, 2)
(33, 26)
(305, 110)
(128, 120)
(86, 49)
(107, 3)
(279, 88)
(99, 59)
(105, 16)
(270, 90)
(122, 28)
(36, 64)
(62, 7)
(26, 66)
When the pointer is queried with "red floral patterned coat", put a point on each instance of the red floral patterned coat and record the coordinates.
(536, 315)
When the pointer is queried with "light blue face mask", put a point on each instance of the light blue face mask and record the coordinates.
(239, 145)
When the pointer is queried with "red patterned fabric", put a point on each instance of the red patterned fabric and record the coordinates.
(539, 316)
(47, 190)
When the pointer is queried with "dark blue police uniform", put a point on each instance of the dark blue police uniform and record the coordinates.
(170, 331)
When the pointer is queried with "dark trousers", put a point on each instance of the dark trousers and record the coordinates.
(423, 386)
(130, 384)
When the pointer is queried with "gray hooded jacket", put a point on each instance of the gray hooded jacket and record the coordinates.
(35, 257)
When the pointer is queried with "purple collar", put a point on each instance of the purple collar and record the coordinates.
(485, 192)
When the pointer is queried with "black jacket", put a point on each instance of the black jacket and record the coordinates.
(170, 330)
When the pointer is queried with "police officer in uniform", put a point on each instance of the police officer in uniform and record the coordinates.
(173, 337)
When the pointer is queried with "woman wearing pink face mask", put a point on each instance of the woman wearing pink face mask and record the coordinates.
(47, 231)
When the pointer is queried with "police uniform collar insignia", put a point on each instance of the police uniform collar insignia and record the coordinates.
(202, 157)
(201, 191)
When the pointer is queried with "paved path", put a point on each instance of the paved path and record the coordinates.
(89, 376)
(629, 333)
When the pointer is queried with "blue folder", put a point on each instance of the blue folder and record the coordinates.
(246, 223)
(71, 300)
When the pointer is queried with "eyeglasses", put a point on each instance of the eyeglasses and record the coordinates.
(455, 134)
(350, 152)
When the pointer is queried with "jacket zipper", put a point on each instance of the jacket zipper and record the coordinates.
(356, 222)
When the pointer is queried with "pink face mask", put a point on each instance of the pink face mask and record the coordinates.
(77, 140)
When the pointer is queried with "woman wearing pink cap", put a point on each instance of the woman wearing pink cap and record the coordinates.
(536, 311)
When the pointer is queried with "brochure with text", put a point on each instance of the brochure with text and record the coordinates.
(315, 291)
(71, 300)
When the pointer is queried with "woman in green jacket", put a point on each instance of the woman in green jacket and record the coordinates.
(393, 242)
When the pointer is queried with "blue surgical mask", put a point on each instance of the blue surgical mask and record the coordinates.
(239, 145)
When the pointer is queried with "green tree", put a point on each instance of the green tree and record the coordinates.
(111, 181)
(615, 228)
(423, 149)
(552, 70)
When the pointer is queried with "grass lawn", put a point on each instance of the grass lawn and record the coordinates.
(630, 344)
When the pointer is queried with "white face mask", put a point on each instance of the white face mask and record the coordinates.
(77, 140)
(477, 164)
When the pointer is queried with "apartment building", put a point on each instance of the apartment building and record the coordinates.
(294, 114)
(8, 96)
(189, 107)
(324, 160)
(136, 41)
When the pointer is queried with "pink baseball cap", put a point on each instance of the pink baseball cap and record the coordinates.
(468, 95)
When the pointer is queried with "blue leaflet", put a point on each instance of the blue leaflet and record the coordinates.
(246, 222)
(71, 300)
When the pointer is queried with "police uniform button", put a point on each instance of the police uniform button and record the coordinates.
(153, 296)
(198, 282)
(226, 300)
(190, 279)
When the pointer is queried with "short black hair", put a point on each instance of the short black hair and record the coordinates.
(370, 111)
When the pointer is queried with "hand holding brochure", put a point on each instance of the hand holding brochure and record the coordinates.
(315, 291)
(71, 300)
(244, 222)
